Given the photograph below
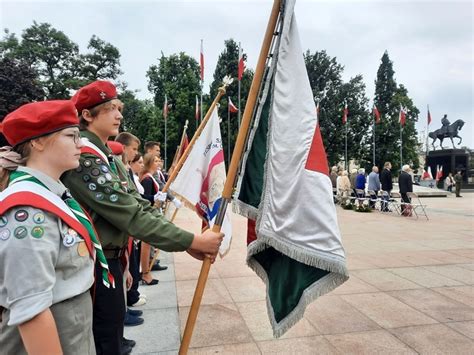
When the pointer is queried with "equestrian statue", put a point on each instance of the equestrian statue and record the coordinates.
(447, 130)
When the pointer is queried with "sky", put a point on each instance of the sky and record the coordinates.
(429, 42)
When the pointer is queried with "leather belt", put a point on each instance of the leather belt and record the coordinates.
(114, 253)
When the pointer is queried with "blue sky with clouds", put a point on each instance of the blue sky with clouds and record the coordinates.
(429, 42)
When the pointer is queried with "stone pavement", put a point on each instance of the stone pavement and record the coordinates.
(410, 291)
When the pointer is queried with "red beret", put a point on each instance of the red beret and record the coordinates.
(115, 147)
(94, 94)
(39, 119)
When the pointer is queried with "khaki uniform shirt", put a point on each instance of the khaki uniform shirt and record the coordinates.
(117, 209)
(38, 271)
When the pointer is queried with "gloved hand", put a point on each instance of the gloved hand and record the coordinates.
(160, 196)
(177, 203)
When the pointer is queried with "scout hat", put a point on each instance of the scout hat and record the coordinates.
(38, 119)
(94, 94)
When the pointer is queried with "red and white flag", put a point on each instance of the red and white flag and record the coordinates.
(196, 113)
(165, 108)
(402, 117)
(376, 114)
(439, 172)
(429, 116)
(241, 66)
(232, 107)
(345, 113)
(201, 61)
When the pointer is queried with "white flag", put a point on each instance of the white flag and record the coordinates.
(202, 177)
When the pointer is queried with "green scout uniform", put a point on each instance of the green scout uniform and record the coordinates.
(117, 209)
(40, 270)
(458, 180)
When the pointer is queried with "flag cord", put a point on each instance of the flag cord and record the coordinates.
(233, 167)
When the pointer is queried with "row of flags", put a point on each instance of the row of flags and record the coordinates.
(402, 116)
(240, 73)
(427, 175)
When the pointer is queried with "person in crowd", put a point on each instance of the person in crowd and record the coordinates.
(47, 242)
(450, 182)
(458, 183)
(102, 186)
(150, 188)
(333, 176)
(352, 179)
(405, 184)
(373, 185)
(386, 184)
(344, 186)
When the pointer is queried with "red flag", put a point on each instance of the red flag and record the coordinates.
(232, 107)
(241, 66)
(376, 114)
(439, 172)
(165, 108)
(201, 61)
(402, 116)
(196, 114)
(344, 114)
(429, 117)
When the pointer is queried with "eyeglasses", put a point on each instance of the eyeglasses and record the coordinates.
(76, 137)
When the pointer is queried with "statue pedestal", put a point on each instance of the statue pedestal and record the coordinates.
(451, 160)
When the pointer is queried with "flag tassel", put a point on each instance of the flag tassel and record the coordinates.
(232, 172)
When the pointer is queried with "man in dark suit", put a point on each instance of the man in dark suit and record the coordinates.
(386, 182)
(405, 185)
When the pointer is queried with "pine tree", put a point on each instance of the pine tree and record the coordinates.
(389, 97)
(227, 65)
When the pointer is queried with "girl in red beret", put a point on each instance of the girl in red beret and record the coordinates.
(47, 242)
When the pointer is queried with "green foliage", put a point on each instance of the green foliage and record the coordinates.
(325, 76)
(177, 76)
(388, 98)
(57, 61)
(227, 64)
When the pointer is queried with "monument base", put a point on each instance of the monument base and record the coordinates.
(452, 161)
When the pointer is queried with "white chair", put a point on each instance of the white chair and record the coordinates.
(373, 198)
(392, 204)
(416, 204)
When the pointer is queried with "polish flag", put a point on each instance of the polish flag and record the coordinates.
(232, 107)
(439, 172)
(201, 61)
(402, 116)
(345, 113)
(376, 114)
(241, 66)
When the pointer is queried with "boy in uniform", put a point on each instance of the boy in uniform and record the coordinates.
(101, 184)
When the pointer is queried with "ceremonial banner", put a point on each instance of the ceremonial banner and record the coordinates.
(293, 242)
(201, 179)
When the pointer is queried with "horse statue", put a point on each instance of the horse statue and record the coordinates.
(451, 132)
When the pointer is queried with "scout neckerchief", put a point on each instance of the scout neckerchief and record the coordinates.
(107, 277)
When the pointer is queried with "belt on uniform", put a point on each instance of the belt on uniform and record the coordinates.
(114, 253)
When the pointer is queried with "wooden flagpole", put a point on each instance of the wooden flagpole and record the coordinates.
(232, 172)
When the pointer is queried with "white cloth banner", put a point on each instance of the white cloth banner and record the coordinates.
(202, 177)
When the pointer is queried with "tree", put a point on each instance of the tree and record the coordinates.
(177, 77)
(57, 61)
(140, 117)
(389, 97)
(325, 76)
(227, 64)
(18, 85)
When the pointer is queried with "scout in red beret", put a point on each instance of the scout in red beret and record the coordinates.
(43, 225)
(100, 111)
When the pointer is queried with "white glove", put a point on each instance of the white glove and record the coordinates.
(160, 196)
(177, 203)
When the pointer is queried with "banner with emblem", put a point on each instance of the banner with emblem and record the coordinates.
(201, 179)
